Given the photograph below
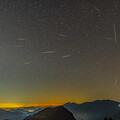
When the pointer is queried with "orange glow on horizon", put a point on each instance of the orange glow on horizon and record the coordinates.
(11, 105)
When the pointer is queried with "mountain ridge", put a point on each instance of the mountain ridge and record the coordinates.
(94, 110)
(57, 113)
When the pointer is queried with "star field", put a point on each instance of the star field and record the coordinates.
(55, 51)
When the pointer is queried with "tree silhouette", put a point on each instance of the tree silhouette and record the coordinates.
(107, 118)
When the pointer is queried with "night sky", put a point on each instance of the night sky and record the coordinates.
(57, 51)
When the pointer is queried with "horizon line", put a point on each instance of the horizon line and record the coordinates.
(17, 105)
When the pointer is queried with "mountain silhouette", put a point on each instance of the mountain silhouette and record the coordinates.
(96, 110)
(57, 113)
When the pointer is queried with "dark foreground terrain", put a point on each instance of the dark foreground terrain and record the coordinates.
(58, 113)
(97, 110)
